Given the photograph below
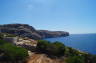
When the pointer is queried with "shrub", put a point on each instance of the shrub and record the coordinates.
(75, 59)
(72, 52)
(42, 45)
(56, 48)
(2, 42)
(12, 52)
(90, 58)
(93, 59)
(1, 36)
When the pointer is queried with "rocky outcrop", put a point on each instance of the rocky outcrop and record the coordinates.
(50, 34)
(26, 30)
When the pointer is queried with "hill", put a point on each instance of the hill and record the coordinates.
(40, 51)
(26, 30)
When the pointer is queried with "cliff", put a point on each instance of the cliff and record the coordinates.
(50, 34)
(26, 30)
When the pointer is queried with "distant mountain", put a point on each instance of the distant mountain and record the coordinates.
(26, 30)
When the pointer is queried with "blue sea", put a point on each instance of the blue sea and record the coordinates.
(83, 42)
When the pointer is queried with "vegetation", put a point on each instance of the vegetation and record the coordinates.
(71, 55)
(9, 35)
(75, 59)
(56, 48)
(1, 36)
(11, 52)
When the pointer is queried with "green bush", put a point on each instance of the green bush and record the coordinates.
(42, 45)
(93, 60)
(56, 48)
(71, 52)
(75, 59)
(90, 58)
(2, 42)
(1, 36)
(12, 52)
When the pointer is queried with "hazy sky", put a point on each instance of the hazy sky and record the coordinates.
(74, 16)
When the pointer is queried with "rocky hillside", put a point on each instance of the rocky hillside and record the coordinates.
(26, 30)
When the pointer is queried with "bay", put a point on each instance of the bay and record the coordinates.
(83, 42)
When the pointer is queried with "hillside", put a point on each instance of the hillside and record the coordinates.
(26, 30)
(40, 51)
(57, 52)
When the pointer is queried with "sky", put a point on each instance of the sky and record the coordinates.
(74, 16)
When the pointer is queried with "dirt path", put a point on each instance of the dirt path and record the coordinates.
(41, 58)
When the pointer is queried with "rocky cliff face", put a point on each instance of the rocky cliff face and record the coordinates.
(26, 30)
(50, 34)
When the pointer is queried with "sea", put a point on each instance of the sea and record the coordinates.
(82, 42)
